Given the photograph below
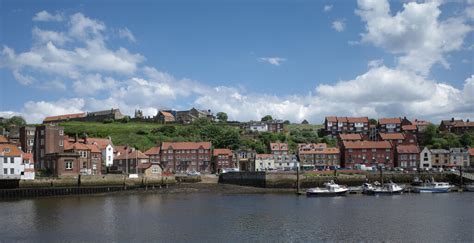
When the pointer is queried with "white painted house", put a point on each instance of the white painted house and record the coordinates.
(28, 167)
(11, 162)
(425, 159)
(264, 162)
(255, 126)
(106, 147)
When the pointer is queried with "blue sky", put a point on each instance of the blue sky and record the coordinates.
(293, 59)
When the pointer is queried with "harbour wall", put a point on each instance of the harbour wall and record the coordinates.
(289, 179)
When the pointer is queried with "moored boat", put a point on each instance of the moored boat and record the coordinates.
(388, 188)
(330, 189)
(433, 186)
(469, 187)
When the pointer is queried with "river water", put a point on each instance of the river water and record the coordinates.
(205, 217)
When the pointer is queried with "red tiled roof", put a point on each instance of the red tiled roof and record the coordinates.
(167, 114)
(409, 127)
(218, 152)
(102, 143)
(471, 151)
(366, 144)
(64, 117)
(420, 122)
(29, 157)
(463, 124)
(347, 119)
(408, 149)
(358, 119)
(311, 146)
(132, 155)
(392, 136)
(153, 150)
(390, 121)
(279, 146)
(264, 156)
(13, 150)
(3, 139)
(321, 151)
(186, 145)
(350, 136)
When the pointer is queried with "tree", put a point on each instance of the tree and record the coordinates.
(466, 140)
(286, 122)
(372, 121)
(267, 118)
(222, 116)
(16, 120)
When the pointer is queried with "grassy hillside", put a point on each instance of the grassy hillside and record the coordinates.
(145, 135)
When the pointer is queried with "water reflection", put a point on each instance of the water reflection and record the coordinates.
(206, 217)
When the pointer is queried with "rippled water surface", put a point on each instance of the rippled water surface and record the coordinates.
(229, 218)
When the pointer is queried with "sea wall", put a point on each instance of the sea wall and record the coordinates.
(307, 180)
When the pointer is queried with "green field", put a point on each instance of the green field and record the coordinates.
(144, 135)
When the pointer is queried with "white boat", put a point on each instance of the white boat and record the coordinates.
(366, 187)
(433, 186)
(330, 189)
(469, 187)
(388, 188)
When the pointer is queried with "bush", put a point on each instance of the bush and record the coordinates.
(106, 121)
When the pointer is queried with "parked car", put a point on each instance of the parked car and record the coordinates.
(193, 173)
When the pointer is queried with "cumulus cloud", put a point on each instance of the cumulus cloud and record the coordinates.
(338, 25)
(275, 61)
(107, 78)
(327, 8)
(416, 34)
(45, 16)
(126, 34)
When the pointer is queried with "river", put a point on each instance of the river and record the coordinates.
(206, 217)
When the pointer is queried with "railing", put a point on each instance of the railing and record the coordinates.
(469, 176)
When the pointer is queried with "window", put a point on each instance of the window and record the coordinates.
(30, 142)
(68, 165)
(42, 152)
(42, 141)
(61, 143)
(5, 171)
(155, 170)
(6, 150)
(5, 160)
(12, 171)
(61, 132)
(12, 160)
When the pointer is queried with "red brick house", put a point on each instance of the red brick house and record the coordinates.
(318, 156)
(407, 156)
(462, 127)
(186, 156)
(154, 154)
(129, 160)
(393, 138)
(90, 159)
(221, 159)
(335, 125)
(390, 125)
(63, 118)
(368, 153)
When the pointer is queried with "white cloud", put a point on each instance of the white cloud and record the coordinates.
(338, 25)
(45, 16)
(275, 61)
(126, 34)
(416, 33)
(85, 28)
(35, 112)
(45, 36)
(327, 8)
(375, 63)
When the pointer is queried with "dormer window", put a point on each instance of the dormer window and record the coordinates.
(6, 150)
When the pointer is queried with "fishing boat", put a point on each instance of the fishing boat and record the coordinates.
(469, 187)
(366, 187)
(330, 189)
(388, 188)
(433, 186)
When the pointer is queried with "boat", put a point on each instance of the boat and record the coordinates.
(469, 187)
(366, 187)
(433, 186)
(416, 181)
(330, 189)
(388, 188)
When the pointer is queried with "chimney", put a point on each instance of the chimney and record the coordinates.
(76, 138)
(452, 119)
(85, 138)
(467, 120)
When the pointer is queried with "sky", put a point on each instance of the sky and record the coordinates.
(294, 60)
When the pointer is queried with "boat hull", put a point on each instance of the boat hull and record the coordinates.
(326, 194)
(469, 188)
(372, 192)
(431, 190)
